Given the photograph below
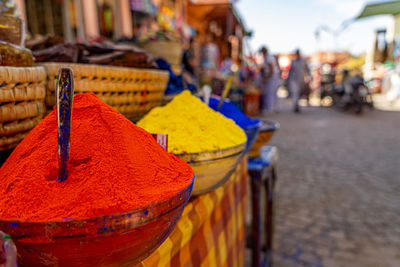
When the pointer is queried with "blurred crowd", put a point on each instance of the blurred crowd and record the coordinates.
(344, 81)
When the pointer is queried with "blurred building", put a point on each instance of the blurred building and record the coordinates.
(383, 46)
(220, 19)
(77, 19)
(125, 19)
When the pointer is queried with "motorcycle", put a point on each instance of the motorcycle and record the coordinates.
(327, 84)
(352, 93)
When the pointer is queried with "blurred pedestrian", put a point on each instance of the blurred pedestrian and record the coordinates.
(278, 83)
(296, 80)
(189, 77)
(270, 76)
(188, 59)
(210, 56)
(209, 59)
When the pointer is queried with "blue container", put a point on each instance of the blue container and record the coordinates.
(252, 134)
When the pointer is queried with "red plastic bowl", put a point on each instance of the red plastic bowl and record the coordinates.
(115, 240)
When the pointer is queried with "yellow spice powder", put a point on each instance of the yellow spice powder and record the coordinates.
(192, 126)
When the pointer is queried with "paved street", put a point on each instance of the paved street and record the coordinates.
(338, 190)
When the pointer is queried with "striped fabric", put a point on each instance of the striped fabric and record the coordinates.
(211, 231)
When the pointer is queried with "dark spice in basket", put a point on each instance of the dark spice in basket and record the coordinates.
(93, 53)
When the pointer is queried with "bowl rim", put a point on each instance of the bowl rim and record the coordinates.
(141, 210)
(212, 154)
(225, 178)
(271, 126)
(255, 126)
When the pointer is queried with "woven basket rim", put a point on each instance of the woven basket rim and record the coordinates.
(161, 42)
(10, 74)
(109, 67)
(35, 66)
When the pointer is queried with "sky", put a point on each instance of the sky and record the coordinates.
(284, 25)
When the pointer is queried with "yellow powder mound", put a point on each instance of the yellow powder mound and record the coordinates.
(192, 126)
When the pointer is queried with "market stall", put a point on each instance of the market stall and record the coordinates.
(87, 187)
(211, 229)
(219, 148)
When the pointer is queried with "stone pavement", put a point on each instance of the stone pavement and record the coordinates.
(338, 189)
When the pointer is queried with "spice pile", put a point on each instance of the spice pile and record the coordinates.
(192, 126)
(115, 167)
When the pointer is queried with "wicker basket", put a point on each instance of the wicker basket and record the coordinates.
(168, 50)
(22, 95)
(133, 92)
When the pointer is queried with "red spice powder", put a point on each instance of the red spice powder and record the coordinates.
(115, 166)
